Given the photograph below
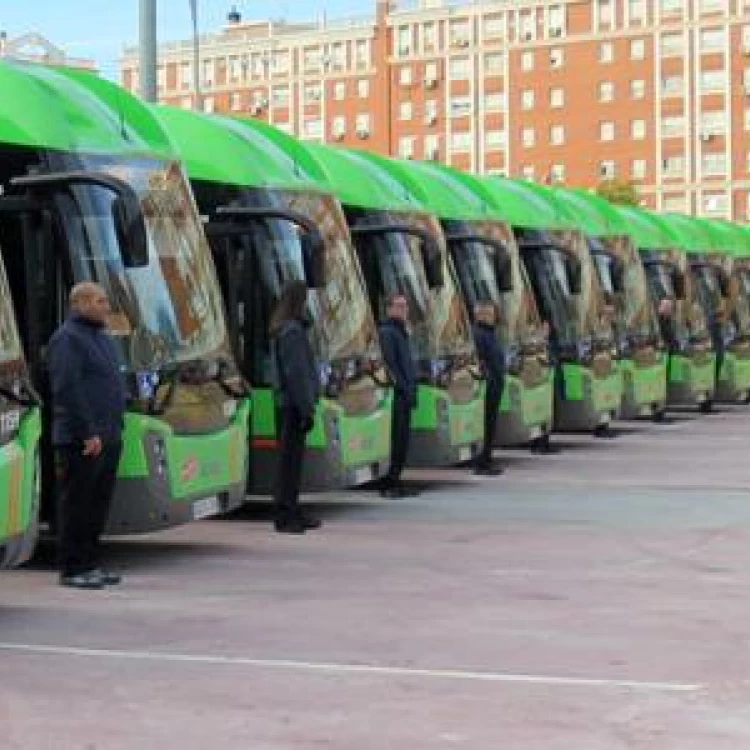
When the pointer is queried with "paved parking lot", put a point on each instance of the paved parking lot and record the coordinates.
(593, 600)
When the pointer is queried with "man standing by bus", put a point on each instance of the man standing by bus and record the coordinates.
(394, 341)
(492, 358)
(88, 402)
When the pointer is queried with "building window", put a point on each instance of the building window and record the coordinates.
(460, 106)
(338, 56)
(235, 101)
(361, 53)
(338, 127)
(556, 57)
(557, 135)
(669, 7)
(674, 204)
(429, 36)
(638, 169)
(638, 89)
(495, 139)
(713, 123)
(186, 75)
(712, 40)
(714, 163)
(459, 68)
(363, 124)
(363, 88)
(605, 12)
(606, 131)
(747, 120)
(713, 6)
(606, 91)
(312, 93)
(637, 10)
(494, 62)
(672, 44)
(493, 27)
(638, 130)
(405, 76)
(311, 59)
(430, 111)
(527, 99)
(674, 166)
(208, 104)
(528, 137)
(403, 40)
(280, 96)
(432, 146)
(557, 97)
(557, 173)
(638, 49)
(312, 128)
(527, 60)
(405, 111)
(607, 169)
(461, 141)
(406, 147)
(459, 31)
(673, 126)
(715, 203)
(339, 91)
(606, 52)
(494, 102)
(712, 80)
(527, 172)
(673, 85)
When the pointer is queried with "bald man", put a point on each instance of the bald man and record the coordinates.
(88, 403)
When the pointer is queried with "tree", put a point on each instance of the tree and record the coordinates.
(622, 192)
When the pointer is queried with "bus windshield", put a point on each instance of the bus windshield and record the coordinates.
(170, 310)
(519, 322)
(10, 342)
(393, 262)
(741, 308)
(637, 318)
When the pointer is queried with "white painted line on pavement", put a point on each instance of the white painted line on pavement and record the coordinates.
(365, 669)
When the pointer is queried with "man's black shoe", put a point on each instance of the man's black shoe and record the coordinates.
(108, 578)
(488, 470)
(91, 579)
(310, 523)
(604, 431)
(398, 490)
(290, 526)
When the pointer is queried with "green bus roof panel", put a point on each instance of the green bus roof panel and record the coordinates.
(522, 205)
(692, 233)
(648, 230)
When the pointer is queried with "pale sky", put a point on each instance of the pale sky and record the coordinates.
(99, 29)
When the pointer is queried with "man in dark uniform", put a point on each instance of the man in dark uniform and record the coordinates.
(88, 402)
(665, 312)
(492, 359)
(394, 341)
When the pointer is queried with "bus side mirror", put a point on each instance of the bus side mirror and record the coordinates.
(573, 269)
(503, 272)
(130, 230)
(618, 276)
(313, 258)
(724, 284)
(679, 283)
(433, 261)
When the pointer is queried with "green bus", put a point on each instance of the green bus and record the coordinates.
(711, 268)
(691, 375)
(271, 219)
(488, 266)
(402, 249)
(641, 359)
(93, 191)
(20, 430)
(588, 384)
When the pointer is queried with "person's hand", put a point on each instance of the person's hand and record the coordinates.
(92, 446)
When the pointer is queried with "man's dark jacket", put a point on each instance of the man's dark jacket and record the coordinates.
(490, 355)
(394, 341)
(88, 389)
(298, 379)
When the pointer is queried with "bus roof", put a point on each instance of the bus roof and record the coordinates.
(731, 238)
(363, 180)
(75, 111)
(600, 217)
(525, 204)
(224, 150)
(692, 234)
(648, 230)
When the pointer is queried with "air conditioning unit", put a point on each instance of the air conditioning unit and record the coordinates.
(430, 119)
(432, 154)
(255, 108)
(527, 36)
(339, 134)
(555, 32)
(430, 82)
(705, 137)
(363, 133)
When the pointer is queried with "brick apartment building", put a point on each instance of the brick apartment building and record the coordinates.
(576, 91)
(35, 48)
